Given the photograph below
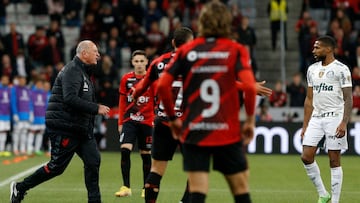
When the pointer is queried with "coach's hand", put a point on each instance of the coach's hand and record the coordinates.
(176, 128)
(103, 110)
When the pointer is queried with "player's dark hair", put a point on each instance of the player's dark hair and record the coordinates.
(138, 52)
(327, 41)
(181, 35)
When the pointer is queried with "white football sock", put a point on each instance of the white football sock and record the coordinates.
(30, 143)
(313, 173)
(336, 183)
(2, 141)
(15, 139)
(38, 141)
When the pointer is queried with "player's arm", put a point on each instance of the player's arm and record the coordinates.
(122, 103)
(143, 85)
(249, 90)
(348, 103)
(308, 109)
(260, 88)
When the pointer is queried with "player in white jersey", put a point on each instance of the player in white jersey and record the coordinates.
(327, 109)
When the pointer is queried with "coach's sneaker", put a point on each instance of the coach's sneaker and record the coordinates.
(16, 196)
(324, 199)
(123, 192)
(143, 193)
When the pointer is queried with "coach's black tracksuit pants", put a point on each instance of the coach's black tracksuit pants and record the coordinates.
(62, 151)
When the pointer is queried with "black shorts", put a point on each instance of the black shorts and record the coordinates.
(228, 159)
(164, 145)
(132, 131)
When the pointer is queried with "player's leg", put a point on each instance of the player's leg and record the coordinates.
(16, 138)
(163, 149)
(24, 127)
(30, 141)
(62, 152)
(145, 143)
(38, 142)
(197, 165)
(334, 146)
(127, 140)
(90, 155)
(231, 161)
(313, 135)
(336, 175)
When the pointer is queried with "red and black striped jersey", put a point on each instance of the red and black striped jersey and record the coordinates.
(142, 110)
(210, 68)
(152, 75)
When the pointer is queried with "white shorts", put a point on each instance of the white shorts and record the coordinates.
(22, 125)
(37, 127)
(325, 126)
(4, 126)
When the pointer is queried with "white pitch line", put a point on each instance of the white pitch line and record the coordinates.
(20, 175)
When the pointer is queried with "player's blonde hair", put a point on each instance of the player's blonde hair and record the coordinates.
(215, 20)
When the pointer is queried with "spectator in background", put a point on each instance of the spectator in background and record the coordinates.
(278, 98)
(355, 76)
(302, 27)
(5, 113)
(277, 11)
(247, 37)
(14, 42)
(56, 31)
(114, 34)
(344, 22)
(107, 18)
(52, 54)
(38, 7)
(71, 12)
(37, 126)
(36, 45)
(297, 91)
(3, 4)
(356, 99)
(263, 115)
(89, 29)
(56, 9)
(155, 37)
(152, 13)
(22, 115)
(92, 6)
(135, 9)
(114, 51)
(7, 68)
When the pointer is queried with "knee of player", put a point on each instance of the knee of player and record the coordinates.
(307, 159)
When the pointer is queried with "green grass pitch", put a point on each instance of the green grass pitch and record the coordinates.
(273, 179)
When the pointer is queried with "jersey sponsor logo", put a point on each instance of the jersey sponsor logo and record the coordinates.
(208, 126)
(143, 99)
(129, 85)
(194, 55)
(209, 69)
(323, 88)
(131, 79)
(39, 101)
(136, 117)
(161, 65)
(24, 96)
(5, 98)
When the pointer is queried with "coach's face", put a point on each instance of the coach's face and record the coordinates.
(92, 54)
